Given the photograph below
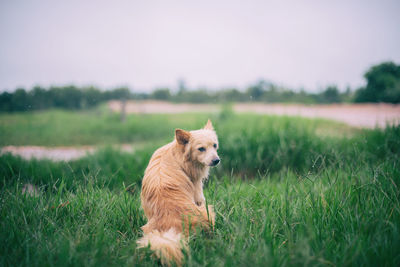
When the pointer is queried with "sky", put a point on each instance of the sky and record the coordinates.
(214, 44)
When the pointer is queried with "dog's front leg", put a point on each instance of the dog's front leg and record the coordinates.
(199, 198)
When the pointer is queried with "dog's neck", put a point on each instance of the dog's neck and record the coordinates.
(194, 170)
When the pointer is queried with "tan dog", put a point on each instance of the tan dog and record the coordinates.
(172, 192)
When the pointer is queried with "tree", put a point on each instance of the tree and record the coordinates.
(117, 94)
(383, 84)
(20, 100)
(230, 95)
(256, 91)
(91, 97)
(161, 94)
(122, 94)
(40, 98)
(331, 95)
(5, 101)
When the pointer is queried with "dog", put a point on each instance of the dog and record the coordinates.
(172, 192)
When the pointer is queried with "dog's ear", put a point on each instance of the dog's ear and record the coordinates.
(208, 126)
(182, 136)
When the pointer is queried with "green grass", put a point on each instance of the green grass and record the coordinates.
(285, 194)
(93, 127)
(101, 127)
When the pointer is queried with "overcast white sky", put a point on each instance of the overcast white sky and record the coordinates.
(148, 44)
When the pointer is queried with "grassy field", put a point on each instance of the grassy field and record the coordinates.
(288, 192)
(100, 126)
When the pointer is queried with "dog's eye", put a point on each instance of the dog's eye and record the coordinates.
(215, 145)
(201, 149)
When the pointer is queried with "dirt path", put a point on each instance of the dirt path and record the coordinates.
(358, 115)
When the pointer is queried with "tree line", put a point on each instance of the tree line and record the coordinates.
(65, 97)
(383, 85)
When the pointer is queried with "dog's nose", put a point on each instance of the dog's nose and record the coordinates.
(215, 161)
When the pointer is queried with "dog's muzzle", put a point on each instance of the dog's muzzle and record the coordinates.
(215, 162)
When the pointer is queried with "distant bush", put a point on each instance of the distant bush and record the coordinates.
(383, 84)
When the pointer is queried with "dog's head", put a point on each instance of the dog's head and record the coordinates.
(200, 145)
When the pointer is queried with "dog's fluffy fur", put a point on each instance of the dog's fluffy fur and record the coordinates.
(172, 192)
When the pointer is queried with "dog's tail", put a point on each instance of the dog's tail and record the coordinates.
(166, 245)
